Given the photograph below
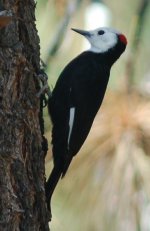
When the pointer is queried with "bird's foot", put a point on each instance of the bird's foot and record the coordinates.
(45, 89)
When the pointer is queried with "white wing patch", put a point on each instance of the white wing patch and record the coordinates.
(71, 121)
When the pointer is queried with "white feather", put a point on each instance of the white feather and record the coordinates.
(71, 122)
(102, 43)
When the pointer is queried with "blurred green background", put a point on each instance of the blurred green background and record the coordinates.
(107, 187)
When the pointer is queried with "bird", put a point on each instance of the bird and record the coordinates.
(77, 97)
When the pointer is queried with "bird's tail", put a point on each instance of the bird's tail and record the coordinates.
(66, 166)
(57, 173)
(51, 184)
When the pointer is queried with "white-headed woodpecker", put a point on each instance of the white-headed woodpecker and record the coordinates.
(77, 97)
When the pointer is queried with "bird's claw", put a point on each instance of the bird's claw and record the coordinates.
(45, 89)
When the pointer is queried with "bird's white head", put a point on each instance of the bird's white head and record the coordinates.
(103, 38)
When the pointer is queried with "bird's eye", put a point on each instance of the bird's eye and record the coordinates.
(100, 32)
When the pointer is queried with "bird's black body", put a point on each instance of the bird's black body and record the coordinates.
(81, 86)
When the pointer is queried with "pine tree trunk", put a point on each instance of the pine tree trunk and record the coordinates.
(22, 173)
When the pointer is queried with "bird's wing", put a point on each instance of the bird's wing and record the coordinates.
(75, 101)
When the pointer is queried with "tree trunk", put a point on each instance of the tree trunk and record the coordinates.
(22, 172)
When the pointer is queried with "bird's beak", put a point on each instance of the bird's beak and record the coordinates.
(82, 32)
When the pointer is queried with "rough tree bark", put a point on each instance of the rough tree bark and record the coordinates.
(22, 172)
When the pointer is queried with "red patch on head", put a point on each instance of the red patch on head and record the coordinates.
(123, 39)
